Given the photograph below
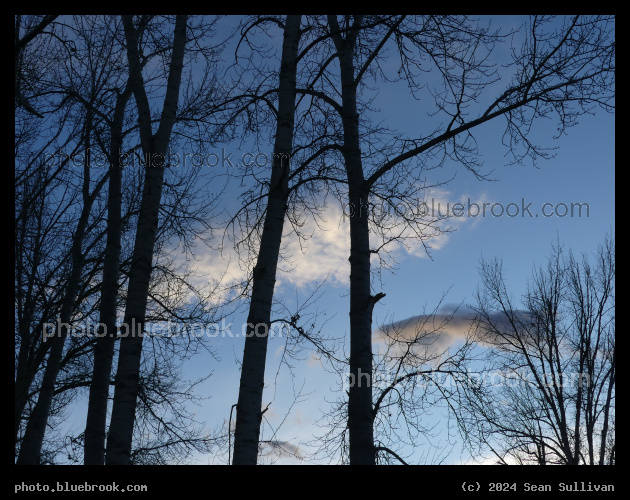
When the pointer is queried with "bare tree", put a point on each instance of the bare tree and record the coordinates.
(81, 85)
(70, 91)
(564, 68)
(47, 194)
(48, 203)
(33, 28)
(39, 261)
(154, 148)
(422, 371)
(421, 374)
(104, 347)
(249, 412)
(182, 216)
(34, 435)
(560, 67)
(249, 107)
(548, 396)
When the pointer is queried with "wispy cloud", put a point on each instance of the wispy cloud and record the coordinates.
(444, 213)
(323, 254)
(442, 329)
(281, 450)
(434, 332)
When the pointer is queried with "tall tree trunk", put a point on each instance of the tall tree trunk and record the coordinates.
(31, 353)
(249, 413)
(23, 379)
(609, 397)
(154, 148)
(94, 447)
(360, 420)
(30, 450)
(29, 359)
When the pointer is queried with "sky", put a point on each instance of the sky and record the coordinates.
(582, 171)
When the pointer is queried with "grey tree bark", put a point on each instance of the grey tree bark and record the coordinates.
(360, 423)
(154, 148)
(249, 413)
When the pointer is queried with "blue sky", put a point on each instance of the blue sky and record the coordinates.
(582, 171)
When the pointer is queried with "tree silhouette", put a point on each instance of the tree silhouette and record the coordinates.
(555, 400)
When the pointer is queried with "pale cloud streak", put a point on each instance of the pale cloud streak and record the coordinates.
(434, 333)
(281, 450)
(323, 254)
(441, 330)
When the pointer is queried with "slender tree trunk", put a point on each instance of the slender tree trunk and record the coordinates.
(154, 148)
(31, 353)
(29, 358)
(360, 420)
(249, 413)
(23, 379)
(94, 447)
(604, 436)
(30, 450)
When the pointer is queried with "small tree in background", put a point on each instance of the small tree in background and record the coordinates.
(554, 402)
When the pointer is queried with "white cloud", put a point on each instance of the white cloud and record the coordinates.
(323, 255)
(434, 333)
(437, 332)
(443, 212)
(276, 450)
